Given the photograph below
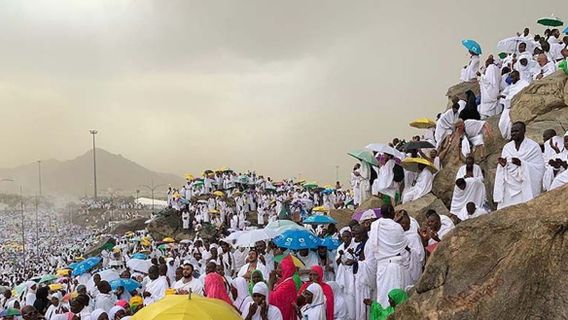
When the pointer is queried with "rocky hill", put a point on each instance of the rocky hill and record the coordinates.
(510, 263)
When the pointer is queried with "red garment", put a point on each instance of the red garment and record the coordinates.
(284, 293)
(214, 287)
(327, 291)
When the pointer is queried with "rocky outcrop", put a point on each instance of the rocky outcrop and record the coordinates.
(460, 89)
(417, 209)
(372, 202)
(510, 264)
(132, 225)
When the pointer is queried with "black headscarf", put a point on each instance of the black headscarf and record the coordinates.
(470, 110)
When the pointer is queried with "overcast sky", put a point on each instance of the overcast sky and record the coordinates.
(283, 87)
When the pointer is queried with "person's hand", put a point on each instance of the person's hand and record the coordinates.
(554, 146)
(539, 76)
(252, 309)
(349, 262)
(264, 310)
(564, 164)
(261, 258)
(340, 252)
(367, 301)
(424, 234)
(516, 161)
(502, 161)
(146, 294)
(553, 163)
(350, 250)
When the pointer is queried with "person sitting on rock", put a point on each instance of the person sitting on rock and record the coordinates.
(472, 132)
(470, 169)
(421, 186)
(437, 226)
(467, 190)
(545, 67)
(470, 211)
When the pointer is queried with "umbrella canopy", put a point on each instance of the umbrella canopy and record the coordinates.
(199, 183)
(423, 123)
(383, 148)
(411, 164)
(472, 46)
(48, 278)
(218, 193)
(565, 30)
(182, 307)
(55, 286)
(367, 214)
(10, 312)
(319, 219)
(108, 274)
(139, 255)
(310, 185)
(128, 284)
(551, 21)
(249, 238)
(330, 243)
(511, 45)
(297, 240)
(138, 265)
(365, 156)
(297, 262)
(414, 145)
(320, 209)
(62, 272)
(279, 226)
(185, 241)
(188, 176)
(85, 266)
(169, 240)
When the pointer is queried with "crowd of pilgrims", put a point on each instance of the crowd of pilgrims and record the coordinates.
(381, 253)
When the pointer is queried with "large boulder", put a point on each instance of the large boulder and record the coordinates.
(372, 202)
(541, 97)
(418, 208)
(460, 89)
(509, 264)
(132, 225)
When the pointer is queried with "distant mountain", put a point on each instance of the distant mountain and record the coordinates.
(75, 177)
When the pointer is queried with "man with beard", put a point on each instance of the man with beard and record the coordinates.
(188, 282)
(364, 270)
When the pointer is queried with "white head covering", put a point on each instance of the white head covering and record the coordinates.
(113, 311)
(261, 288)
(343, 230)
(97, 313)
(315, 310)
(369, 214)
(241, 285)
(317, 292)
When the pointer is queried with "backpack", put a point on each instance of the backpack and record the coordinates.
(398, 173)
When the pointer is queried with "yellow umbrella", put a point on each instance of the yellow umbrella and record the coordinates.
(214, 211)
(145, 242)
(182, 307)
(130, 234)
(423, 123)
(55, 286)
(320, 209)
(62, 272)
(218, 193)
(169, 239)
(188, 176)
(411, 164)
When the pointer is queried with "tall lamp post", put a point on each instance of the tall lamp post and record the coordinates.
(152, 188)
(94, 132)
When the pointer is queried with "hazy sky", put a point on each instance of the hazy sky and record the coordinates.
(283, 87)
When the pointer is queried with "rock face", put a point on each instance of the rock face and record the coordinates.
(460, 89)
(417, 209)
(510, 264)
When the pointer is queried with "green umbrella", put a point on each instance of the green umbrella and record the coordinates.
(163, 247)
(550, 21)
(310, 185)
(48, 278)
(364, 155)
(10, 312)
(198, 184)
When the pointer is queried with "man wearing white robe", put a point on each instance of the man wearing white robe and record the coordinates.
(356, 184)
(155, 289)
(545, 67)
(188, 282)
(389, 243)
(417, 253)
(421, 187)
(560, 180)
(465, 191)
(445, 125)
(469, 72)
(489, 86)
(508, 94)
(439, 224)
(470, 169)
(344, 276)
(471, 211)
(365, 184)
(555, 162)
(385, 184)
(520, 169)
(365, 271)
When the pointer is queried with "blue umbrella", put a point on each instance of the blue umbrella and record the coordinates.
(85, 266)
(565, 30)
(297, 240)
(327, 191)
(319, 219)
(330, 243)
(472, 46)
(128, 284)
(72, 265)
(139, 255)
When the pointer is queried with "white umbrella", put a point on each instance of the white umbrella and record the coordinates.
(383, 148)
(249, 238)
(279, 226)
(138, 265)
(511, 45)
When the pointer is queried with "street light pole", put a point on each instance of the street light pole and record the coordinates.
(152, 188)
(23, 228)
(94, 132)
